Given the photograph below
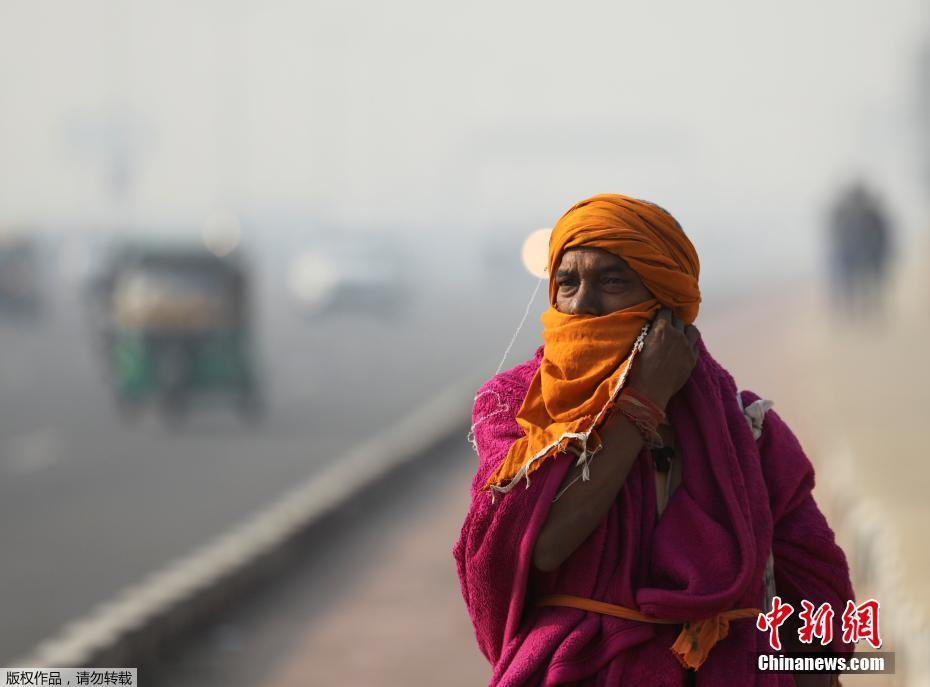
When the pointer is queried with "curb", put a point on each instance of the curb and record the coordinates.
(139, 623)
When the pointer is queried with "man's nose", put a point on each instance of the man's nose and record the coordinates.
(585, 302)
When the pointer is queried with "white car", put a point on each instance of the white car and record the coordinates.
(359, 277)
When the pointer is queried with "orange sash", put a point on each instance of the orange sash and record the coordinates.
(694, 642)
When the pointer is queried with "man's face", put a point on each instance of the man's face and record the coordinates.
(592, 281)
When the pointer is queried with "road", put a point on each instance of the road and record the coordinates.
(90, 504)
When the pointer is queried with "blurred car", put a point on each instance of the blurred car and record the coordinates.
(19, 274)
(348, 276)
(175, 326)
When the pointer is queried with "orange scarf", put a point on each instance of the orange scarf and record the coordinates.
(586, 357)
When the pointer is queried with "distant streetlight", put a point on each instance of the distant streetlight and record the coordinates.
(535, 253)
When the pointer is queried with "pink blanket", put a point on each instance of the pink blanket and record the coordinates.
(739, 499)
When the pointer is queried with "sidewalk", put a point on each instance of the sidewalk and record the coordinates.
(404, 622)
(857, 395)
(868, 404)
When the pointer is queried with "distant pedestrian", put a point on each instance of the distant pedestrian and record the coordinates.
(860, 252)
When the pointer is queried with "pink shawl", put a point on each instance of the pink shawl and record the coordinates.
(738, 500)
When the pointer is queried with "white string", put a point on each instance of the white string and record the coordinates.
(502, 407)
(519, 326)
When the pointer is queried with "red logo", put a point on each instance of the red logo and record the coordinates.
(859, 622)
(817, 623)
(773, 620)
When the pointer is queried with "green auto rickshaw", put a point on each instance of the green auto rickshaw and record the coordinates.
(178, 331)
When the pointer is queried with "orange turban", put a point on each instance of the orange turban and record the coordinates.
(586, 357)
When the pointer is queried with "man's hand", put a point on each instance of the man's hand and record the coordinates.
(667, 359)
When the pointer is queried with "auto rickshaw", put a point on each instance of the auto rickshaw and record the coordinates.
(179, 330)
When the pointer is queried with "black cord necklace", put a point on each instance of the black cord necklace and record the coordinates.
(662, 458)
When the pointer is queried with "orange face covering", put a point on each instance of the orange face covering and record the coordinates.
(586, 357)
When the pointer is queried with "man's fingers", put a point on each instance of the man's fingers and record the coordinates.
(664, 315)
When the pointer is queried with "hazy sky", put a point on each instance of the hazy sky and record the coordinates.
(740, 117)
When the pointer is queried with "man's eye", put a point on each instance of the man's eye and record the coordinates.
(615, 280)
